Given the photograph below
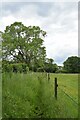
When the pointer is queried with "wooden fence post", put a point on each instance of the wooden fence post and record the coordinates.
(48, 76)
(56, 85)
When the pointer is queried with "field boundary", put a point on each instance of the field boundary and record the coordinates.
(68, 96)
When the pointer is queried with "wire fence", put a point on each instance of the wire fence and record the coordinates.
(56, 85)
(68, 96)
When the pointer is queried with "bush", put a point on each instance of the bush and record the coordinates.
(16, 67)
(6, 68)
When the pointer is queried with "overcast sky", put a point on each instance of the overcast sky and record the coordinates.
(58, 19)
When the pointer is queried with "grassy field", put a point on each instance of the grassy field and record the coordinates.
(32, 96)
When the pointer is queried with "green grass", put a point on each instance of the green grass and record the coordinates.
(32, 96)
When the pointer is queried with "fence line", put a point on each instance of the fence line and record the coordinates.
(68, 96)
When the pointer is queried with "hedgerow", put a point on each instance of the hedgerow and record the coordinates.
(15, 67)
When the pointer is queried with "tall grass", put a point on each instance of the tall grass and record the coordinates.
(32, 96)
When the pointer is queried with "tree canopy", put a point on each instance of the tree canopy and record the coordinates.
(72, 64)
(50, 66)
(24, 44)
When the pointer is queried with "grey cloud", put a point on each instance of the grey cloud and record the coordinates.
(40, 1)
(60, 14)
(11, 7)
(43, 8)
(61, 58)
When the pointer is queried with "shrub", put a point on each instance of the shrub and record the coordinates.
(16, 67)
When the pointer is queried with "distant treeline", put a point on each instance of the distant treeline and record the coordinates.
(71, 65)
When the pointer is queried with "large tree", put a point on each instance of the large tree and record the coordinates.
(24, 44)
(50, 66)
(72, 64)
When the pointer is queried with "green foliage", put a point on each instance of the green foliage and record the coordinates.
(50, 66)
(32, 96)
(72, 64)
(15, 67)
(24, 44)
